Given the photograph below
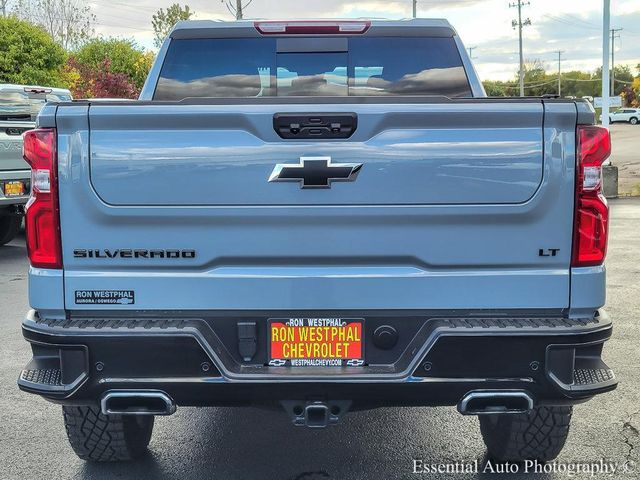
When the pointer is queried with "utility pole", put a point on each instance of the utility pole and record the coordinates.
(520, 23)
(559, 52)
(471, 49)
(606, 25)
(613, 59)
(415, 8)
(238, 9)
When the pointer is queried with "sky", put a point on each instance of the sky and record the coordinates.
(572, 26)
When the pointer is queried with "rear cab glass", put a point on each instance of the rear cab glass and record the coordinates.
(23, 105)
(348, 66)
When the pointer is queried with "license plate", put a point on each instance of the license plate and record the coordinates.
(316, 342)
(14, 189)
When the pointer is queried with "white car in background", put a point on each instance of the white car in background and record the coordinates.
(630, 115)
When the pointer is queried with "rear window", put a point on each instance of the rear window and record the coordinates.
(22, 105)
(368, 66)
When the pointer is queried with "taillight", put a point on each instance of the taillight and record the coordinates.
(42, 213)
(592, 213)
(312, 27)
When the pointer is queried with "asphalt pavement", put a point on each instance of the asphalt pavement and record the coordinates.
(234, 443)
(625, 146)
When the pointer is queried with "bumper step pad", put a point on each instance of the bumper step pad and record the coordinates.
(54, 369)
(588, 376)
(579, 369)
(45, 376)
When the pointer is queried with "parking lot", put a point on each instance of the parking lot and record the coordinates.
(253, 443)
(625, 148)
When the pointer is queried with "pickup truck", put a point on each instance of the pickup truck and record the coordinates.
(317, 217)
(19, 106)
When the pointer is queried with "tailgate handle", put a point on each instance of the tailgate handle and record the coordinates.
(315, 125)
(14, 131)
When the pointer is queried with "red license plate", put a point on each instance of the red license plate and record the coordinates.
(316, 342)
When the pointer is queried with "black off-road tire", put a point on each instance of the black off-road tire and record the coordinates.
(106, 438)
(537, 435)
(9, 228)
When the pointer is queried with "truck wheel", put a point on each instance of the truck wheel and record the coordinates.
(633, 121)
(106, 438)
(9, 227)
(537, 435)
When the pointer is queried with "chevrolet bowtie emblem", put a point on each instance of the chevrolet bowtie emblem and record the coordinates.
(315, 172)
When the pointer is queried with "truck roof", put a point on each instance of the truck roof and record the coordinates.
(375, 26)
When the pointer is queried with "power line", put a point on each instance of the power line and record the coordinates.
(573, 21)
(540, 84)
(519, 23)
(139, 29)
(137, 8)
(633, 33)
(569, 22)
(578, 20)
(583, 79)
(119, 24)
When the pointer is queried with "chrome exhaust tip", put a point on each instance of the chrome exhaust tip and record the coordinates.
(490, 402)
(137, 402)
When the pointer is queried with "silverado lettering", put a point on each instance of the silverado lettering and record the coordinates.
(17, 146)
(133, 253)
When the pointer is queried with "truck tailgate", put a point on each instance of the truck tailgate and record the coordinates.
(453, 207)
(415, 155)
(11, 145)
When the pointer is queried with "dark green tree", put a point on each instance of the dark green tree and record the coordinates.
(28, 54)
(623, 77)
(580, 84)
(537, 81)
(497, 88)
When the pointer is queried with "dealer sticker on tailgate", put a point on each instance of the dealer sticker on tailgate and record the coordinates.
(316, 342)
(105, 297)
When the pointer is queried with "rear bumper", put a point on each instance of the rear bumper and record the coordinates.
(437, 361)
